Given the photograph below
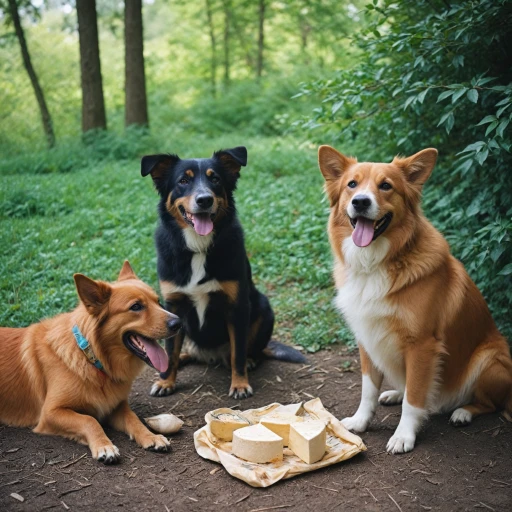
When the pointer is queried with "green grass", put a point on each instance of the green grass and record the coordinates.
(92, 217)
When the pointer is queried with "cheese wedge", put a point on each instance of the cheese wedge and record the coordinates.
(290, 408)
(279, 423)
(257, 444)
(307, 440)
(225, 422)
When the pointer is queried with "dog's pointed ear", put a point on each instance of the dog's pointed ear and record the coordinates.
(418, 167)
(126, 272)
(232, 159)
(158, 166)
(332, 165)
(93, 294)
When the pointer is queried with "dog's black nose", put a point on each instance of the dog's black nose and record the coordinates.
(174, 324)
(361, 203)
(204, 200)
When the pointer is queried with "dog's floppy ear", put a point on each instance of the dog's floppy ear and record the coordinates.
(332, 165)
(158, 166)
(126, 272)
(417, 168)
(232, 159)
(93, 294)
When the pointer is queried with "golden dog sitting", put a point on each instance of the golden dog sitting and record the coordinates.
(418, 318)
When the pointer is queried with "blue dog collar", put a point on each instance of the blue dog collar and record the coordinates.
(84, 346)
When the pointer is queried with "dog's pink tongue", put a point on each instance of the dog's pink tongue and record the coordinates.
(363, 232)
(202, 223)
(157, 355)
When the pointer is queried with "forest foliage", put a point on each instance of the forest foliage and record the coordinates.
(373, 80)
(438, 75)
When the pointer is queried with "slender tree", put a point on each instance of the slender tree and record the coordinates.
(261, 38)
(45, 114)
(136, 106)
(227, 33)
(93, 103)
(213, 43)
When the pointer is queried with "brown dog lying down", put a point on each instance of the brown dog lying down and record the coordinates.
(51, 380)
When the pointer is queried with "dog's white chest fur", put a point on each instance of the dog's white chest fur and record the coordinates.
(199, 292)
(362, 301)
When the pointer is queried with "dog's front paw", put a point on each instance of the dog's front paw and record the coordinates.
(392, 397)
(356, 423)
(461, 417)
(108, 454)
(401, 443)
(156, 443)
(162, 388)
(241, 391)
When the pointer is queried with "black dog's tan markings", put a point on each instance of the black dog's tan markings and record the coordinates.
(205, 275)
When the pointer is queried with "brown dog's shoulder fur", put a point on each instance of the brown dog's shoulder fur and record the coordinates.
(48, 383)
(418, 317)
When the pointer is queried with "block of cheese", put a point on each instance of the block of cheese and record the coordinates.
(279, 423)
(290, 408)
(225, 421)
(257, 444)
(307, 440)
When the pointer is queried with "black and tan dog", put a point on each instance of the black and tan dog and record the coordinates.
(204, 272)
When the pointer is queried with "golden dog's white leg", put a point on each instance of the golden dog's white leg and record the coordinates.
(372, 380)
(421, 366)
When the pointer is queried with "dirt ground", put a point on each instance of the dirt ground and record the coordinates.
(450, 469)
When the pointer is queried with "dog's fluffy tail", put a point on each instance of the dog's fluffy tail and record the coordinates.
(282, 352)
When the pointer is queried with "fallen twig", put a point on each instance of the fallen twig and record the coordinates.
(73, 461)
(371, 494)
(242, 498)
(393, 500)
(303, 368)
(501, 482)
(269, 508)
(76, 489)
(486, 506)
(326, 488)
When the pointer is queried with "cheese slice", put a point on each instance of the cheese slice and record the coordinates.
(224, 422)
(307, 440)
(257, 444)
(290, 408)
(279, 423)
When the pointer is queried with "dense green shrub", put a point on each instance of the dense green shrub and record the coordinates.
(437, 74)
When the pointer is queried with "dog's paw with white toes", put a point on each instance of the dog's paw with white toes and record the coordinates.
(461, 417)
(400, 443)
(356, 423)
(392, 397)
(107, 454)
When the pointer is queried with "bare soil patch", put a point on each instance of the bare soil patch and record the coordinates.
(449, 470)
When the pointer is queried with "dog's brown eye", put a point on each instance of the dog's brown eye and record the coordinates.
(385, 186)
(136, 307)
(183, 181)
(215, 179)
(352, 184)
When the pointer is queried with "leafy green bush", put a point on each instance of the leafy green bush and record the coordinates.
(437, 74)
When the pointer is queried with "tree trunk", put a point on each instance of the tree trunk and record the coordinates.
(261, 37)
(136, 106)
(227, 18)
(93, 103)
(305, 29)
(213, 62)
(45, 114)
